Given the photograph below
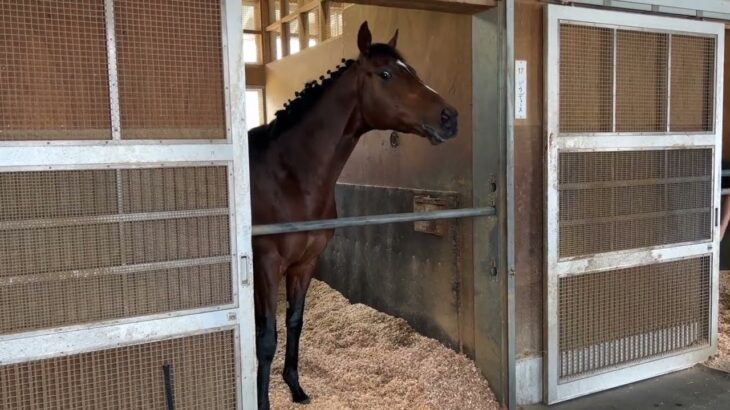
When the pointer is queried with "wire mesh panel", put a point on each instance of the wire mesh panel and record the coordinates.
(196, 372)
(89, 245)
(170, 69)
(53, 71)
(641, 81)
(631, 207)
(621, 316)
(649, 67)
(613, 201)
(174, 189)
(693, 79)
(124, 282)
(586, 79)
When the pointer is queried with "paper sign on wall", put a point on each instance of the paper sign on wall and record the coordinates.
(520, 89)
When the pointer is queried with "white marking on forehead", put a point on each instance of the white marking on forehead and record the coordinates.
(404, 65)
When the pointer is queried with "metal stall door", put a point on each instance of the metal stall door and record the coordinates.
(124, 206)
(634, 107)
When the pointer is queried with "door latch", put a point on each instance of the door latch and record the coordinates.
(244, 271)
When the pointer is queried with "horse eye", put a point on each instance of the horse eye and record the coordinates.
(386, 75)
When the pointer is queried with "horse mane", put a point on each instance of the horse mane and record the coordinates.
(295, 109)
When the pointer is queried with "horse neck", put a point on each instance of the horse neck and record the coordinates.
(317, 148)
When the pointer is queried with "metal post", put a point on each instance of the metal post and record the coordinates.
(509, 201)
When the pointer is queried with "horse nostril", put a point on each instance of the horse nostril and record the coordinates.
(448, 117)
(445, 116)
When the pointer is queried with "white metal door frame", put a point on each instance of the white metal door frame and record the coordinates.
(560, 267)
(715, 9)
(119, 153)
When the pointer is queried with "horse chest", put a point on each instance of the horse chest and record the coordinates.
(316, 243)
(299, 248)
(309, 207)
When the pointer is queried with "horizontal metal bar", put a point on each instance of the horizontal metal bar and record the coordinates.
(50, 156)
(95, 336)
(111, 270)
(630, 183)
(725, 191)
(620, 142)
(76, 142)
(586, 264)
(717, 6)
(726, 172)
(291, 227)
(102, 135)
(102, 219)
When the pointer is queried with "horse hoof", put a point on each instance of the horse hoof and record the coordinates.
(302, 399)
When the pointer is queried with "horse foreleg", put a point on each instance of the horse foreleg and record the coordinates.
(266, 289)
(298, 279)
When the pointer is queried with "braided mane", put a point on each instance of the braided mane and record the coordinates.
(295, 109)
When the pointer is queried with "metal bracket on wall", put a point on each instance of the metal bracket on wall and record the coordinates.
(428, 203)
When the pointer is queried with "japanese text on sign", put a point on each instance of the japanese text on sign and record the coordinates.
(520, 89)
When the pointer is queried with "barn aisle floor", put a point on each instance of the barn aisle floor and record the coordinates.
(698, 388)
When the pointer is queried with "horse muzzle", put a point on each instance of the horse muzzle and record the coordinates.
(440, 135)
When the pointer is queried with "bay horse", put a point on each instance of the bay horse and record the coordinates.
(295, 162)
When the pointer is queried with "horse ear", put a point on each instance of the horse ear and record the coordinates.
(364, 38)
(394, 41)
